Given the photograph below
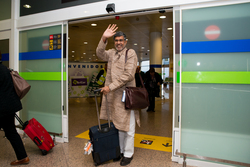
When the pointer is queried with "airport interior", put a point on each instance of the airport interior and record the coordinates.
(83, 39)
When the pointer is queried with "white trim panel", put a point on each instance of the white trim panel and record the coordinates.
(4, 35)
(98, 9)
(5, 25)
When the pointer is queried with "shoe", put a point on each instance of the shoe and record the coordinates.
(149, 110)
(125, 161)
(118, 158)
(24, 161)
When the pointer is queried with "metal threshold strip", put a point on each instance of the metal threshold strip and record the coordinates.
(208, 159)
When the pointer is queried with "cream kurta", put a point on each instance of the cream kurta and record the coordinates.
(119, 75)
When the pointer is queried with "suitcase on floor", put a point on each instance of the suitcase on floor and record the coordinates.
(38, 134)
(105, 140)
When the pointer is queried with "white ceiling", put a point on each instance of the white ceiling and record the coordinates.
(137, 29)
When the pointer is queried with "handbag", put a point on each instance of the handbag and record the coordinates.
(136, 97)
(21, 86)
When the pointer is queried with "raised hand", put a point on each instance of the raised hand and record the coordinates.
(109, 32)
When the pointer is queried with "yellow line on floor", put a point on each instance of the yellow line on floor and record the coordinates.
(145, 141)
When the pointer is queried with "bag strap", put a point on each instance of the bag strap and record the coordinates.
(126, 56)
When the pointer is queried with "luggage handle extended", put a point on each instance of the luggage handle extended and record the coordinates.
(99, 123)
(21, 122)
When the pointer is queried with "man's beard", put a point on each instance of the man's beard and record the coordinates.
(120, 49)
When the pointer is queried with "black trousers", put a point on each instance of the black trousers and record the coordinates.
(8, 124)
(151, 97)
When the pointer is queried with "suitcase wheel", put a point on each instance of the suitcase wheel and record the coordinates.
(44, 152)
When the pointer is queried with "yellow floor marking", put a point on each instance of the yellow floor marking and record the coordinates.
(157, 142)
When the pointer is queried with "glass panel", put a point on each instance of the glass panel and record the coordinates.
(28, 7)
(40, 65)
(215, 86)
(177, 67)
(5, 8)
(65, 91)
(4, 49)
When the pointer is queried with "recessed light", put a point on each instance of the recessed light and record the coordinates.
(135, 43)
(73, 51)
(85, 43)
(81, 57)
(84, 53)
(148, 50)
(73, 56)
(142, 47)
(27, 6)
(162, 17)
(169, 28)
(93, 24)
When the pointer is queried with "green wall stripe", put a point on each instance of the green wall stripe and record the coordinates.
(218, 77)
(43, 76)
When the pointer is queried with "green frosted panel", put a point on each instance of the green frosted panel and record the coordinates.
(216, 62)
(45, 76)
(43, 102)
(216, 86)
(215, 119)
(42, 65)
(32, 40)
(224, 77)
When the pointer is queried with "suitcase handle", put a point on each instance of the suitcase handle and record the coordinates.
(37, 141)
(21, 122)
(97, 110)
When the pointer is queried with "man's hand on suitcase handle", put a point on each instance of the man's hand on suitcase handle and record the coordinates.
(105, 90)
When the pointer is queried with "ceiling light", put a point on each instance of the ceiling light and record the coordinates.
(27, 6)
(170, 28)
(93, 24)
(85, 43)
(162, 17)
(81, 57)
(73, 51)
(73, 56)
(142, 47)
(93, 54)
(148, 50)
(135, 43)
(84, 53)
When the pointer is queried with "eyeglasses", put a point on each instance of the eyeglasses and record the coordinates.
(120, 40)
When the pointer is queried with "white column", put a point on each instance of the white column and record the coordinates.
(156, 51)
(14, 39)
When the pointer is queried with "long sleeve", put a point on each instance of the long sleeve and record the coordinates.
(101, 52)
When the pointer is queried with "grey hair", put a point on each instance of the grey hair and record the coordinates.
(120, 33)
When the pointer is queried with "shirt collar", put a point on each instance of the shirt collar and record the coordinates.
(122, 52)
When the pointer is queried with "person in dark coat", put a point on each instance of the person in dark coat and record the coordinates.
(9, 104)
(152, 81)
(137, 77)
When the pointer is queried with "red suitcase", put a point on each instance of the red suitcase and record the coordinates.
(38, 134)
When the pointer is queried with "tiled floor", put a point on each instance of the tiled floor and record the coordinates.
(82, 115)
